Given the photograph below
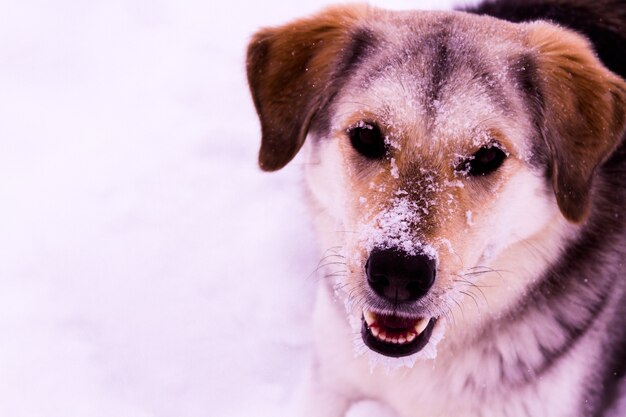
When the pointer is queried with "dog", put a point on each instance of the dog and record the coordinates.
(466, 173)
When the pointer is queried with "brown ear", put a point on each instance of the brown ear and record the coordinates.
(584, 113)
(289, 73)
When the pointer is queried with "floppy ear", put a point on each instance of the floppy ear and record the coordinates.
(290, 69)
(584, 113)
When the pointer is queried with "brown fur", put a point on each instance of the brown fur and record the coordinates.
(584, 107)
(289, 72)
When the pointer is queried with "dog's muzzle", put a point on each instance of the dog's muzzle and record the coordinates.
(398, 279)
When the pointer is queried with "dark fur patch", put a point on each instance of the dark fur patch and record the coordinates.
(362, 41)
(523, 69)
(361, 44)
(602, 21)
(442, 64)
(449, 54)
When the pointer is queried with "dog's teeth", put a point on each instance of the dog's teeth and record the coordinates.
(370, 318)
(395, 337)
(421, 325)
(382, 335)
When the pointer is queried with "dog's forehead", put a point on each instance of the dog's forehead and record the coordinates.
(441, 74)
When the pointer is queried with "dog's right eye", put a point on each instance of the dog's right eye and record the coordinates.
(367, 139)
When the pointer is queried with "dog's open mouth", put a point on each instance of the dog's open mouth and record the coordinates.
(395, 336)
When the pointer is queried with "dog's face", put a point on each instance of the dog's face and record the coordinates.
(453, 153)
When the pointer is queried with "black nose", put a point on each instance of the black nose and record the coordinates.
(399, 277)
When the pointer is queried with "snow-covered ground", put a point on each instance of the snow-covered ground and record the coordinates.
(147, 267)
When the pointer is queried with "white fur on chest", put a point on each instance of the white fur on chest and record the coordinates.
(432, 388)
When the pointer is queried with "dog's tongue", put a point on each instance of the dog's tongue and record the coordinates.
(395, 322)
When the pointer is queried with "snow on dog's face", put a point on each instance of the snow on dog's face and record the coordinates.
(451, 154)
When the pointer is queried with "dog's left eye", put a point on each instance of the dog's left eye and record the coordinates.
(485, 161)
(367, 139)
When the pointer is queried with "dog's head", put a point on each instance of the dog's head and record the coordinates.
(454, 153)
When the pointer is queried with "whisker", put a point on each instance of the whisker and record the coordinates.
(331, 263)
(487, 270)
(336, 275)
(472, 284)
(460, 309)
(469, 294)
(315, 276)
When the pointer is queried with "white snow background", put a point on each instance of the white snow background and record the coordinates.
(147, 266)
